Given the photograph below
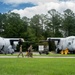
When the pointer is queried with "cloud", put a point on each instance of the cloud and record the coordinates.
(42, 8)
(29, 12)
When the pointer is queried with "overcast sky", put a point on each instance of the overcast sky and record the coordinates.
(31, 7)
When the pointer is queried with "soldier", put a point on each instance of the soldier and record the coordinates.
(30, 51)
(20, 47)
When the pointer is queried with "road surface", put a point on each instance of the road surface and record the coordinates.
(36, 55)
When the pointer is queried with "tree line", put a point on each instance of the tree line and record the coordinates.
(39, 27)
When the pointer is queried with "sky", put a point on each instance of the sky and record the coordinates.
(29, 8)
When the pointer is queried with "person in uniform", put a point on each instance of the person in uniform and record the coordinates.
(30, 51)
(20, 47)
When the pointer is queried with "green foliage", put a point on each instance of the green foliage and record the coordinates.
(55, 21)
(69, 22)
(36, 26)
(14, 26)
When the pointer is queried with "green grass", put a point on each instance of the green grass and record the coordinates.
(37, 66)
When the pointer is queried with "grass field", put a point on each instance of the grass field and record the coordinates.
(37, 66)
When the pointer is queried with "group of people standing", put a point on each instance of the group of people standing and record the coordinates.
(29, 50)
